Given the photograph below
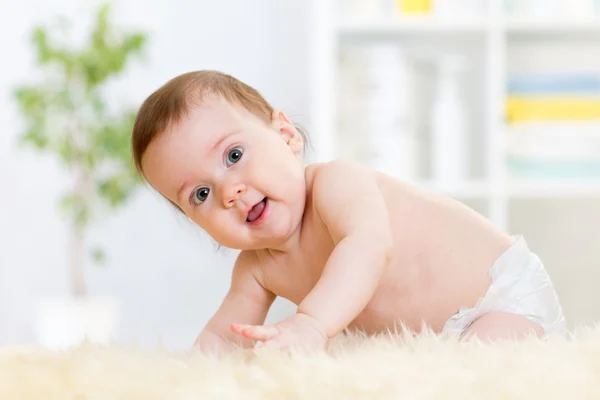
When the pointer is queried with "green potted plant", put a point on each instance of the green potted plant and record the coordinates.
(65, 114)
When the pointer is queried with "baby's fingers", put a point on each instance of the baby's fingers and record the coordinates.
(255, 332)
(261, 333)
(272, 344)
(237, 328)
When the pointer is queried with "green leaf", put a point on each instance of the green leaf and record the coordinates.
(98, 255)
(76, 208)
(116, 189)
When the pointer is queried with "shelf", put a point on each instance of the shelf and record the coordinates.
(518, 188)
(526, 26)
(552, 26)
(521, 188)
(463, 190)
(375, 27)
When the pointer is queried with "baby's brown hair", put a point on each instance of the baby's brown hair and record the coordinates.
(174, 100)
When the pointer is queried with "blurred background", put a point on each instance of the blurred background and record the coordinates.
(496, 103)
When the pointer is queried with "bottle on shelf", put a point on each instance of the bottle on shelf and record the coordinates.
(391, 145)
(450, 153)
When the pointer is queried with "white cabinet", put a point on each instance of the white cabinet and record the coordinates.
(496, 45)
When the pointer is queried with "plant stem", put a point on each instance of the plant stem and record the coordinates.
(77, 261)
(83, 192)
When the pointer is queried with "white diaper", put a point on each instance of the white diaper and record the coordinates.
(519, 285)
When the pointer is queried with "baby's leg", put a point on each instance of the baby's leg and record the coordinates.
(502, 325)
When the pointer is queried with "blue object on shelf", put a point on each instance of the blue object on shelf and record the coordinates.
(553, 83)
(573, 170)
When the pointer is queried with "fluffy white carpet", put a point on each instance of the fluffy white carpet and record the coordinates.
(395, 367)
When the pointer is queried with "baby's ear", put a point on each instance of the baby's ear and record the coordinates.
(288, 131)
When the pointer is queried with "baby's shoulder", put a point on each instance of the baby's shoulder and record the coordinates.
(326, 173)
(335, 184)
(349, 178)
(339, 165)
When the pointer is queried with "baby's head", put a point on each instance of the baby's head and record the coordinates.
(216, 149)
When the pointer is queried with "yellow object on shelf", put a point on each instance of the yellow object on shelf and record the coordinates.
(530, 108)
(413, 6)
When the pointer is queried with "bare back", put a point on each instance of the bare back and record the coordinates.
(441, 257)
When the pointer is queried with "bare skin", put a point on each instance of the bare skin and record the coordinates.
(352, 247)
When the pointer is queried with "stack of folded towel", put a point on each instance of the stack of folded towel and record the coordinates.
(554, 125)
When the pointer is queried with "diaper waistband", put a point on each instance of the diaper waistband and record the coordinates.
(517, 255)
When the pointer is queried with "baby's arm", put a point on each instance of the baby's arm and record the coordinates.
(351, 205)
(246, 302)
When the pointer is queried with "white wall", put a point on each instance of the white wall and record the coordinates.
(166, 273)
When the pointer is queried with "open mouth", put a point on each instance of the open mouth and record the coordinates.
(257, 211)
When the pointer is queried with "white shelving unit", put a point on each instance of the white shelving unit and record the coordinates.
(497, 32)
(541, 27)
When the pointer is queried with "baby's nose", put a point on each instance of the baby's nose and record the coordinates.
(232, 192)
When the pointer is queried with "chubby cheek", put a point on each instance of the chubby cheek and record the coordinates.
(279, 177)
(225, 229)
(291, 187)
(203, 221)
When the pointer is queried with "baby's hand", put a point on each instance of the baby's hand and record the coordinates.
(211, 342)
(297, 331)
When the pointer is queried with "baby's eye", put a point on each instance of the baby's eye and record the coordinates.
(200, 195)
(234, 156)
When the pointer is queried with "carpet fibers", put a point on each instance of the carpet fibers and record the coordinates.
(387, 367)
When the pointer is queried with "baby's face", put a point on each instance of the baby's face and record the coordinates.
(238, 178)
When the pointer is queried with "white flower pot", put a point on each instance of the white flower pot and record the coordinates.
(65, 323)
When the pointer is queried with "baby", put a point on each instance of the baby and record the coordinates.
(353, 248)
